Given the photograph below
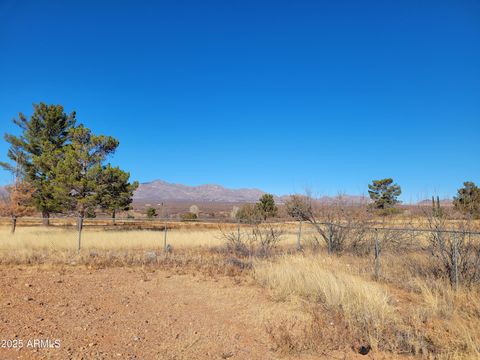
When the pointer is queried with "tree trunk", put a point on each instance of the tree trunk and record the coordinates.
(14, 224)
(113, 217)
(46, 218)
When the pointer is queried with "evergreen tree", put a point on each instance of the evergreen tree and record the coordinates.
(266, 206)
(115, 191)
(79, 175)
(151, 213)
(468, 199)
(384, 193)
(37, 150)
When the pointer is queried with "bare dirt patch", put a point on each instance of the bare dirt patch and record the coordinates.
(132, 313)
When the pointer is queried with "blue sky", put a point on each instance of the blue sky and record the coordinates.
(279, 95)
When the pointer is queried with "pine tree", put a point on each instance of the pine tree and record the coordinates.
(384, 193)
(115, 191)
(266, 206)
(468, 199)
(37, 150)
(80, 173)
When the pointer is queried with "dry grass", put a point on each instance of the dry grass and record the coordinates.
(365, 306)
(416, 316)
(66, 239)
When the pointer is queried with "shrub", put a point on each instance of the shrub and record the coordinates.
(151, 213)
(189, 217)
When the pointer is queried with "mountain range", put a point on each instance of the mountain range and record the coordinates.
(159, 190)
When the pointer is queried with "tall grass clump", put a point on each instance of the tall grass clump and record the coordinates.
(365, 306)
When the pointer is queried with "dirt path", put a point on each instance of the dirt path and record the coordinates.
(130, 314)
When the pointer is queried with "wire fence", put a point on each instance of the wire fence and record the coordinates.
(456, 246)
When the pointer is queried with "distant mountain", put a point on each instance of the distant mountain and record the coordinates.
(159, 190)
(443, 202)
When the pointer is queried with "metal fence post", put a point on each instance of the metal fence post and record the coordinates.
(377, 256)
(455, 261)
(299, 236)
(80, 228)
(165, 237)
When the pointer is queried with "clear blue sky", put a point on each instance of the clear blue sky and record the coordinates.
(279, 95)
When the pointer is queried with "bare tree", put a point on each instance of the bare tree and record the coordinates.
(338, 224)
(253, 237)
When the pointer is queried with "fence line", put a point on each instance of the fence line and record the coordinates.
(327, 232)
(162, 221)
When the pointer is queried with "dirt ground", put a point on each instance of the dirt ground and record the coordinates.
(132, 313)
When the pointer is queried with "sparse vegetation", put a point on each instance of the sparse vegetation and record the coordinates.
(411, 308)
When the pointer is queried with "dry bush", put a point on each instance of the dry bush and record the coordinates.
(455, 250)
(339, 225)
(257, 239)
(236, 242)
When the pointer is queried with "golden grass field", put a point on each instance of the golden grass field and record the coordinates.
(60, 238)
(407, 311)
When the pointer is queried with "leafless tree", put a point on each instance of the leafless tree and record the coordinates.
(338, 223)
